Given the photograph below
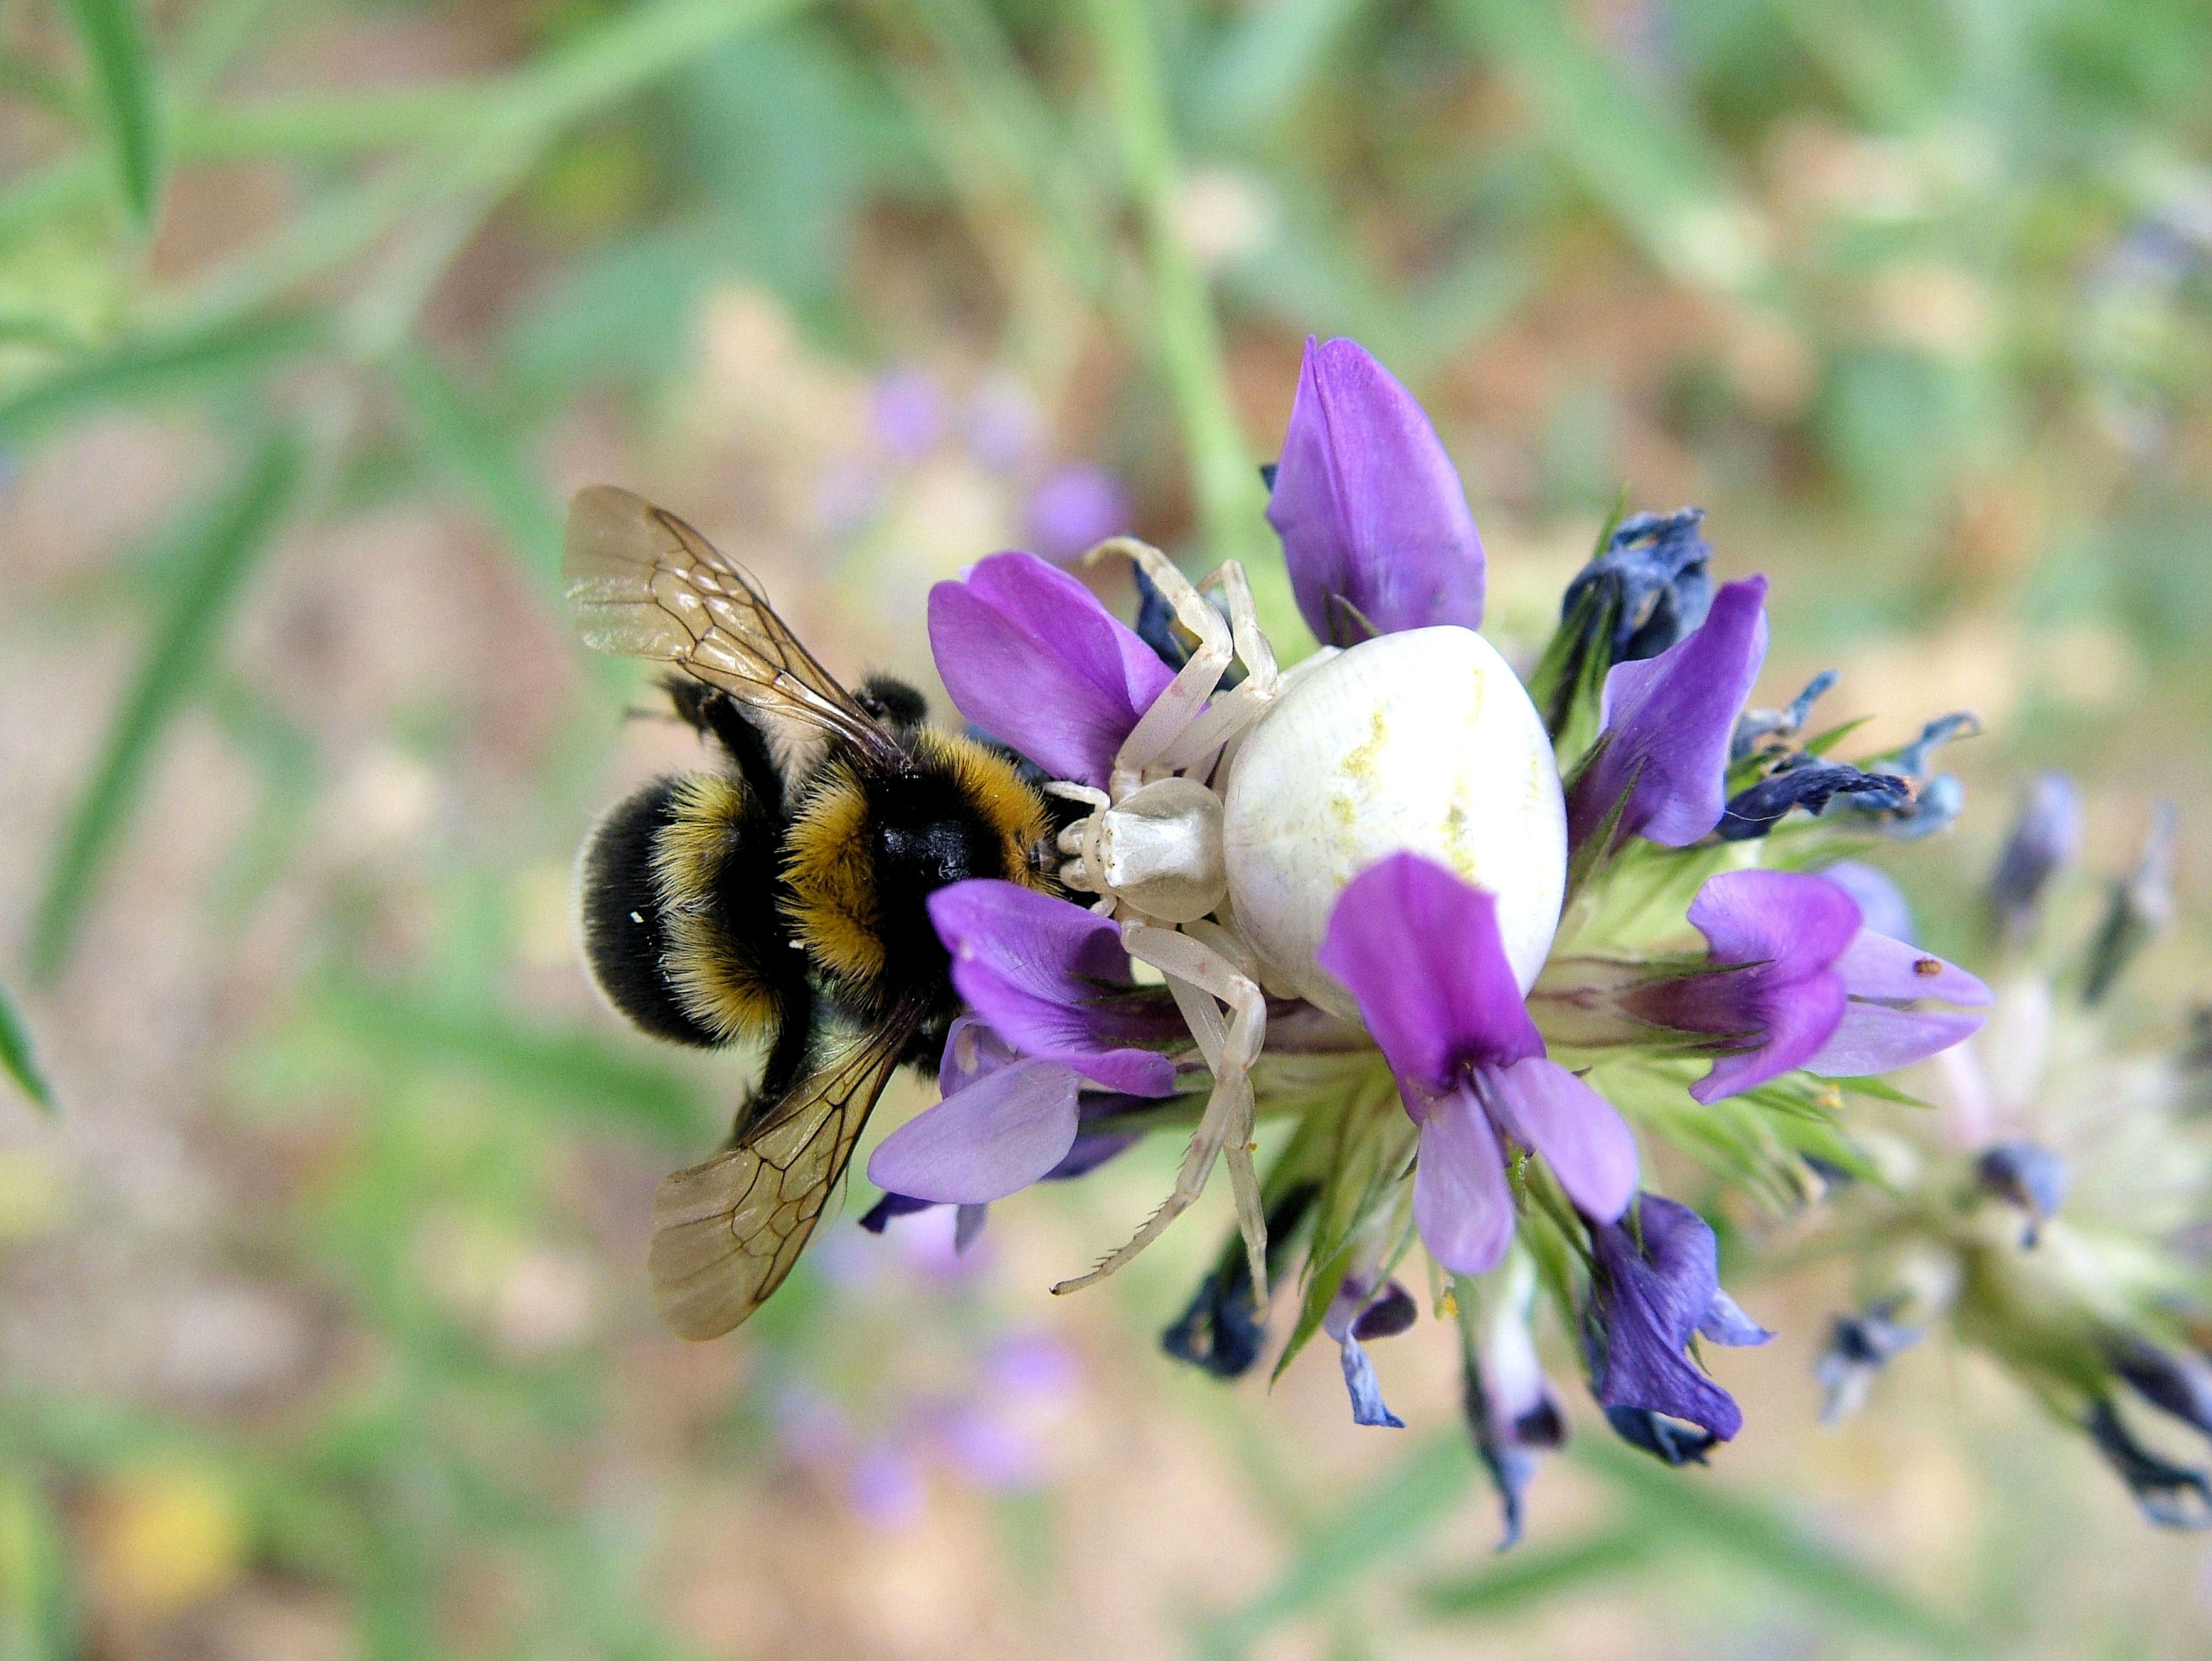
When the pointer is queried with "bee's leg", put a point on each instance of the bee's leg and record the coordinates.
(731, 724)
(1197, 975)
(1233, 711)
(788, 1052)
(1178, 707)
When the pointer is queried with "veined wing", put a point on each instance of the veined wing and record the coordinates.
(726, 1232)
(643, 584)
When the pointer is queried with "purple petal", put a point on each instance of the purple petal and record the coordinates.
(1667, 721)
(1028, 655)
(1581, 1135)
(1419, 947)
(1644, 1306)
(1874, 1037)
(1368, 504)
(1874, 966)
(1052, 978)
(1794, 1023)
(1461, 1205)
(982, 1143)
(1793, 924)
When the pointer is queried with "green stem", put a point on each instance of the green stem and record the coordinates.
(1186, 337)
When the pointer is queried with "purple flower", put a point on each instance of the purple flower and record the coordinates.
(1656, 1280)
(1049, 985)
(1799, 981)
(1375, 525)
(1030, 656)
(1419, 949)
(1661, 756)
(1075, 509)
(907, 411)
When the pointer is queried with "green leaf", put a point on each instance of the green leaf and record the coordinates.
(1651, 171)
(1532, 1573)
(155, 367)
(38, 1618)
(218, 555)
(1689, 1507)
(469, 441)
(17, 1056)
(114, 38)
(1388, 1518)
(573, 1068)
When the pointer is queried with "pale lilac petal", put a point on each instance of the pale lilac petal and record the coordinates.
(982, 1143)
(1419, 947)
(1786, 920)
(1462, 1204)
(1882, 905)
(1368, 1406)
(1667, 721)
(1876, 1038)
(1876, 966)
(1052, 979)
(1028, 655)
(1580, 1134)
(1726, 1323)
(1368, 504)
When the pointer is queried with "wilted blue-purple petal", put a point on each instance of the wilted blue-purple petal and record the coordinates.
(1806, 782)
(2031, 1176)
(1028, 655)
(2170, 1495)
(1644, 1304)
(1052, 978)
(1462, 1204)
(1667, 721)
(1859, 1346)
(1580, 1134)
(1368, 504)
(2174, 1382)
(1367, 1404)
(990, 1140)
(879, 1216)
(1419, 947)
(2044, 840)
(1882, 905)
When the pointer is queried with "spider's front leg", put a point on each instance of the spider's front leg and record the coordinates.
(1198, 976)
(1180, 704)
(1233, 711)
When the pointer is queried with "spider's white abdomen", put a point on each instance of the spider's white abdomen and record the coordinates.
(1420, 741)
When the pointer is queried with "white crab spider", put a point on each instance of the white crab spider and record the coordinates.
(1222, 870)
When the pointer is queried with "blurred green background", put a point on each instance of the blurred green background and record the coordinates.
(323, 1330)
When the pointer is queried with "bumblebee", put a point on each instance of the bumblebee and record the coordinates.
(777, 898)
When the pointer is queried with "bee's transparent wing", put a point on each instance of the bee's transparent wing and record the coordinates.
(643, 584)
(726, 1232)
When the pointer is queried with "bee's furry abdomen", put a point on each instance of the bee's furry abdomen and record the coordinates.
(680, 923)
(625, 942)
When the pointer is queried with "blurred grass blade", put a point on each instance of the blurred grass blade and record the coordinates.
(1531, 1574)
(216, 558)
(473, 446)
(540, 1065)
(1652, 172)
(114, 38)
(148, 370)
(38, 1594)
(17, 1056)
(1391, 1517)
(1688, 1507)
(1266, 58)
